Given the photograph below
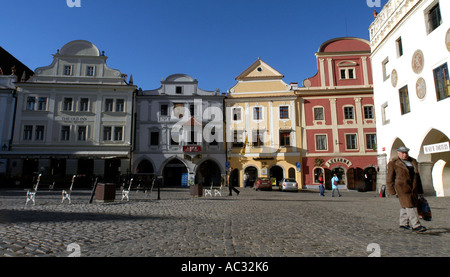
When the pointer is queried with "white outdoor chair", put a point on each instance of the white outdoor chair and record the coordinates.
(31, 194)
(126, 193)
(66, 193)
(211, 190)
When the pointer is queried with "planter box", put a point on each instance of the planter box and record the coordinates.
(196, 190)
(105, 192)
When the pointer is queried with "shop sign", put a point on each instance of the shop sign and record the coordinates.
(192, 149)
(332, 161)
(436, 148)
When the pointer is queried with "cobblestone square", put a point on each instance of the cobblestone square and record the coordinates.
(252, 224)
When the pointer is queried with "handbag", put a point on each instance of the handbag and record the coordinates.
(424, 209)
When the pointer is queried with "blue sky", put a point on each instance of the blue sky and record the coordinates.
(211, 40)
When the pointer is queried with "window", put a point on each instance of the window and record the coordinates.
(404, 100)
(27, 132)
(321, 142)
(441, 80)
(109, 105)
(164, 110)
(107, 133)
(284, 112)
(351, 73)
(118, 133)
(193, 137)
(347, 73)
(174, 138)
(39, 133)
(368, 112)
(257, 138)
(238, 139)
(120, 105)
(351, 142)
(385, 69)
(82, 133)
(318, 113)
(348, 113)
(192, 110)
(179, 90)
(154, 138)
(213, 134)
(433, 17)
(65, 133)
(90, 71)
(236, 114)
(67, 70)
(285, 138)
(399, 45)
(84, 105)
(67, 104)
(42, 104)
(257, 113)
(371, 141)
(31, 102)
(317, 172)
(385, 116)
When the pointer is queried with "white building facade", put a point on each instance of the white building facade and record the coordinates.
(410, 42)
(179, 133)
(7, 105)
(74, 117)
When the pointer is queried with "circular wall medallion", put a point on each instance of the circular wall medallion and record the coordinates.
(394, 78)
(417, 62)
(307, 83)
(447, 40)
(421, 88)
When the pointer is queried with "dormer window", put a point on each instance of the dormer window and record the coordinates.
(90, 71)
(67, 70)
(347, 70)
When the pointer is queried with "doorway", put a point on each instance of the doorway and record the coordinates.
(173, 172)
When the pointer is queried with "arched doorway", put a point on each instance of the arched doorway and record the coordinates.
(370, 179)
(434, 164)
(355, 179)
(208, 172)
(173, 172)
(144, 166)
(340, 173)
(252, 175)
(277, 173)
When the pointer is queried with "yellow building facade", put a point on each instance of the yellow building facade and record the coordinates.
(263, 135)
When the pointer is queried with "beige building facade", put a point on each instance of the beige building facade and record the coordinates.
(263, 135)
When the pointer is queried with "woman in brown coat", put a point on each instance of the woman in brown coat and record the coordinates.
(403, 180)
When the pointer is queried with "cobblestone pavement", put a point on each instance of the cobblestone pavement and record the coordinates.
(252, 224)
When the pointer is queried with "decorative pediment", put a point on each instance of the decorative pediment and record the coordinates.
(260, 70)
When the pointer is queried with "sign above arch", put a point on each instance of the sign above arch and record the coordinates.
(332, 161)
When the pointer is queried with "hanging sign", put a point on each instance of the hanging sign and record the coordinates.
(436, 148)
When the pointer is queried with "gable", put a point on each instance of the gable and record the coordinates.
(260, 70)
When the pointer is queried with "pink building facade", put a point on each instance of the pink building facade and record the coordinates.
(338, 120)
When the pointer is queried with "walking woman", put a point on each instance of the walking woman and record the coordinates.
(334, 185)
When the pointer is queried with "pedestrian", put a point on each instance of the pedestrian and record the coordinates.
(232, 182)
(334, 185)
(403, 180)
(245, 179)
(321, 185)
